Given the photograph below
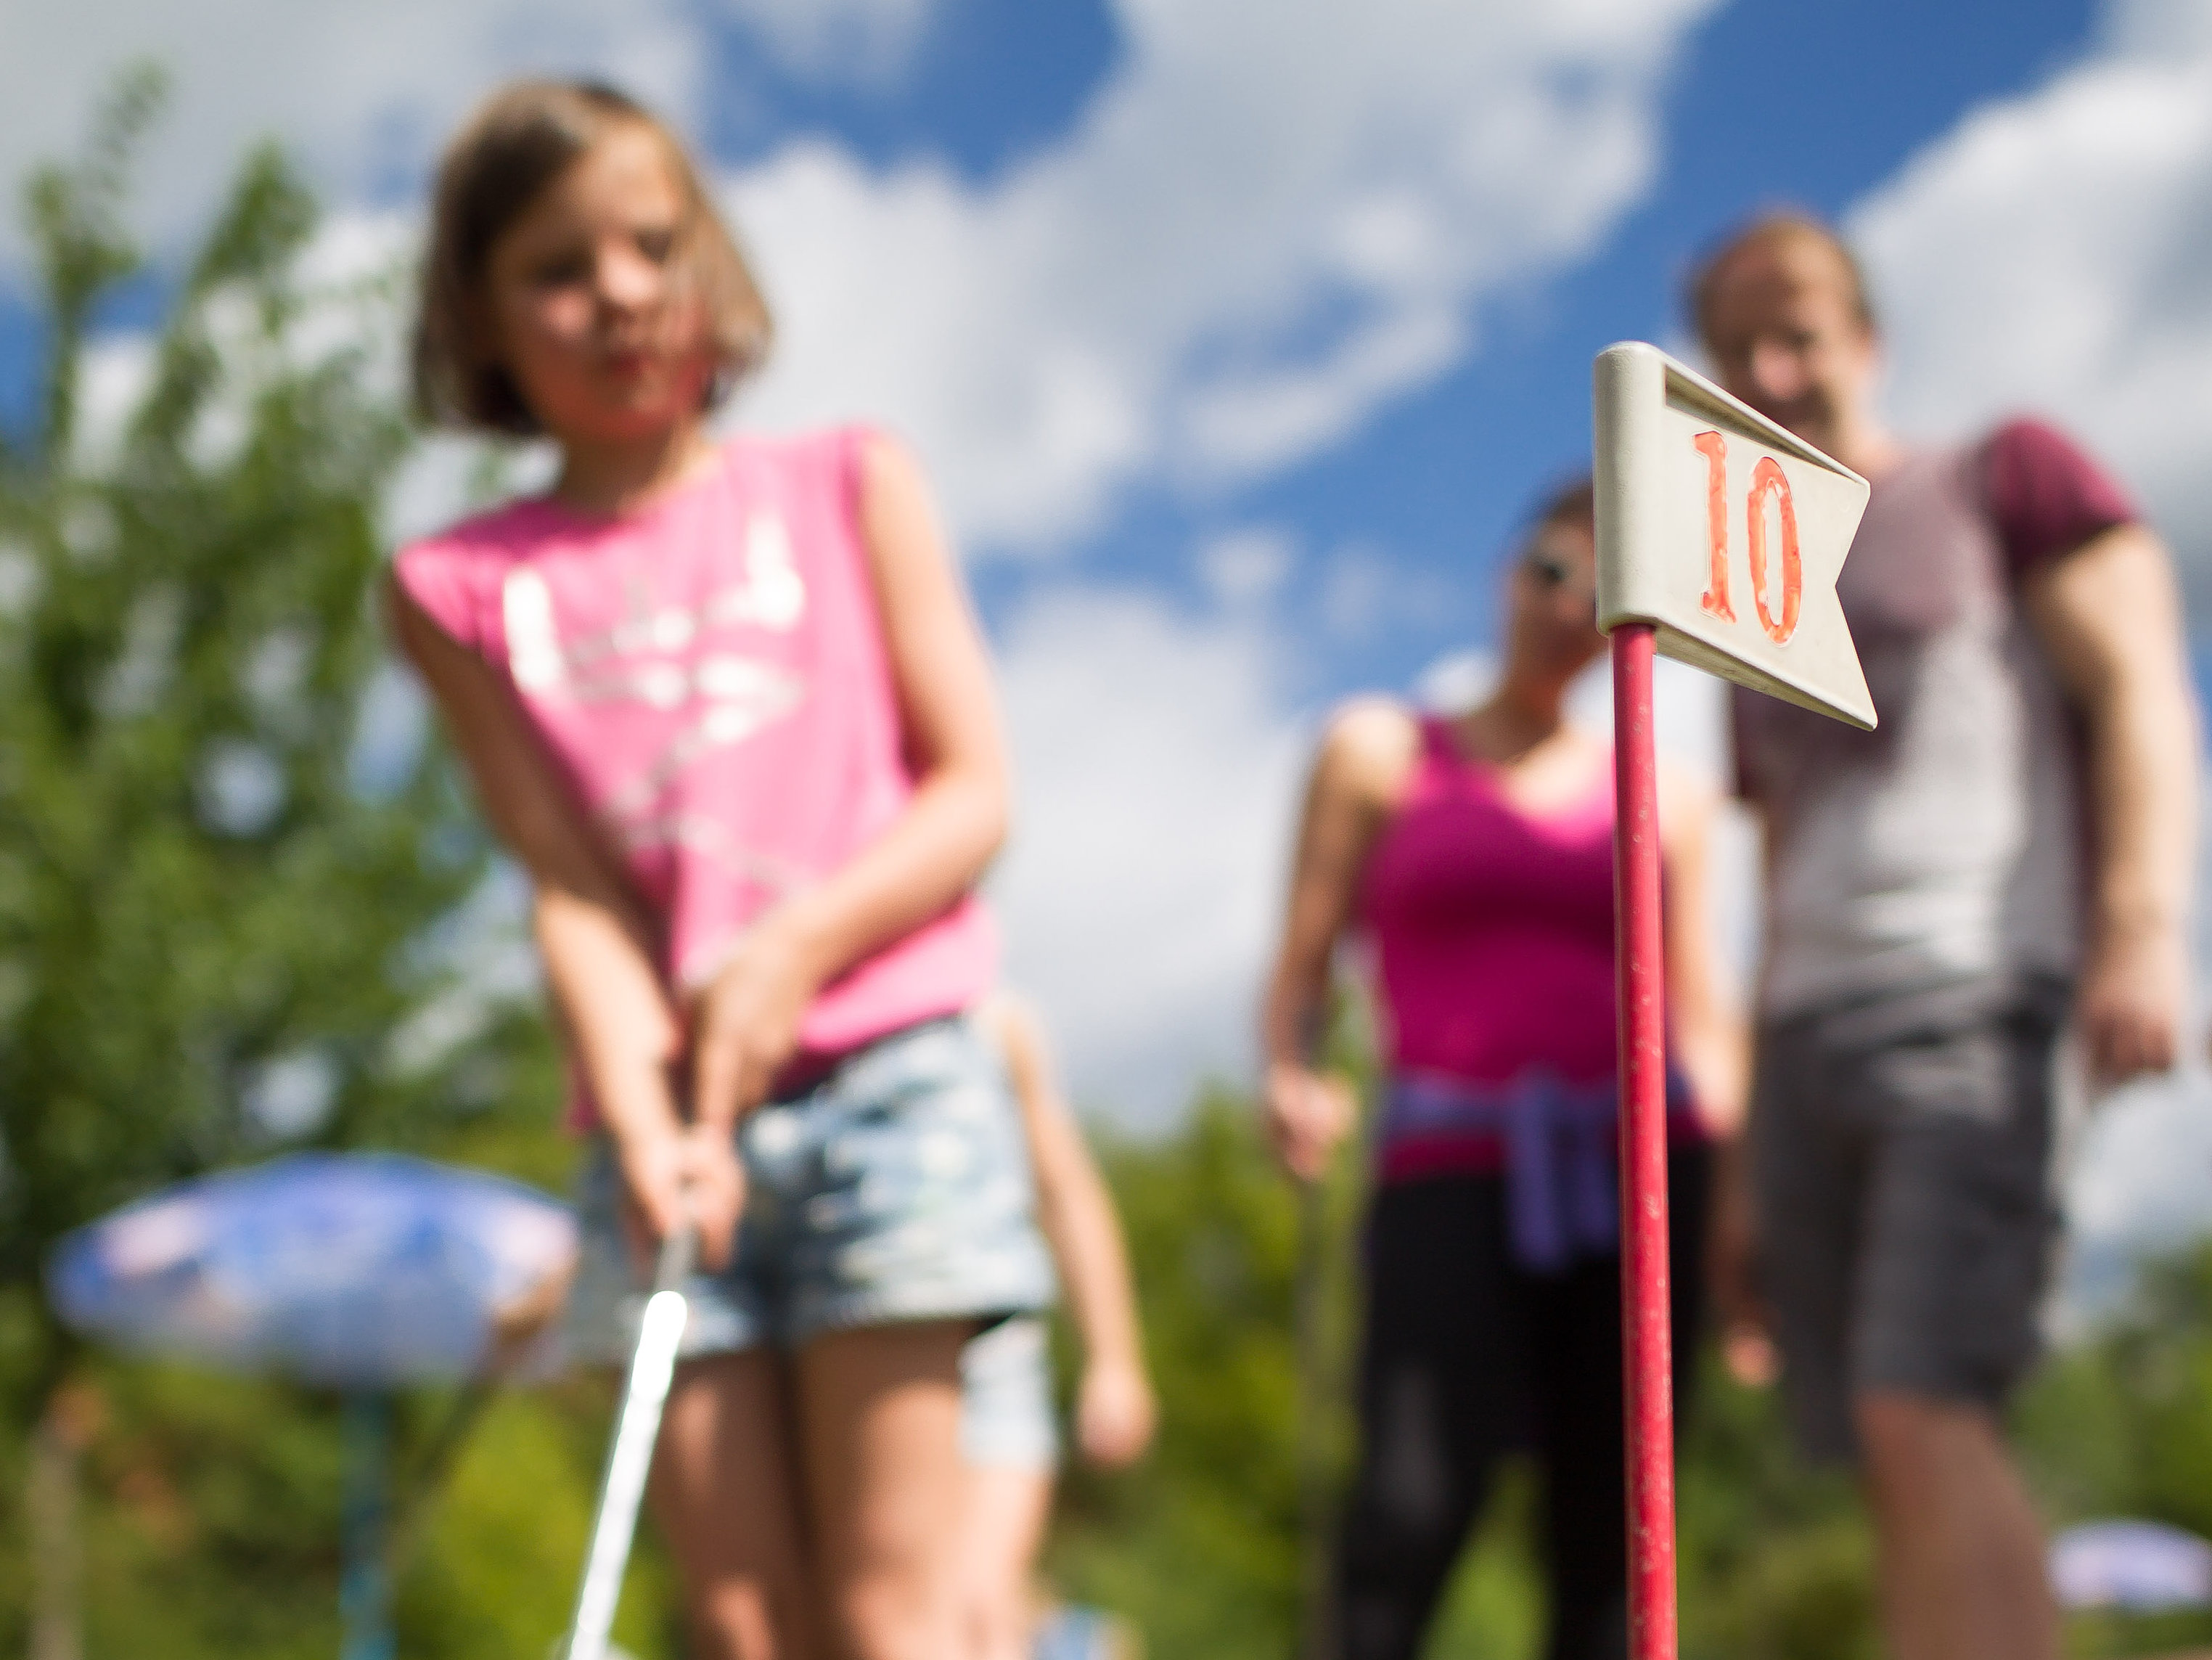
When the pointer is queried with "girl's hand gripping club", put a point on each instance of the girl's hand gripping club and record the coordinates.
(637, 1426)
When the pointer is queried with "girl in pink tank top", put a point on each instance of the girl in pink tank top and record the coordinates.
(1473, 860)
(729, 704)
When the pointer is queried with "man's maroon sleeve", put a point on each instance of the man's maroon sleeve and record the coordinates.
(2045, 496)
(1743, 780)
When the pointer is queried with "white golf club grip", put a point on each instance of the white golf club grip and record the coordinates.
(637, 1426)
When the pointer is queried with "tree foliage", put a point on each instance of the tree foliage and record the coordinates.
(208, 907)
(194, 885)
(1201, 1547)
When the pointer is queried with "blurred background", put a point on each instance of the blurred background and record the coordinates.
(1237, 336)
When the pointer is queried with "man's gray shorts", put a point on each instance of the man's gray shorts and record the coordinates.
(1901, 1168)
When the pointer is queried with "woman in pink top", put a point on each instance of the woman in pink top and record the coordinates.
(1474, 857)
(727, 703)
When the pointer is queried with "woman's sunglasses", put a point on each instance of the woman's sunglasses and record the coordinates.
(1548, 570)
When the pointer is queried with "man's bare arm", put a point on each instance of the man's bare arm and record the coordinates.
(2110, 614)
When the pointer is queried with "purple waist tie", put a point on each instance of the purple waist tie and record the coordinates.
(1561, 1153)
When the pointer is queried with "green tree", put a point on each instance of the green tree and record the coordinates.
(193, 884)
(201, 892)
(2120, 1424)
(1201, 1546)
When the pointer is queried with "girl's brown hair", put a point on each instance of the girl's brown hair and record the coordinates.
(518, 141)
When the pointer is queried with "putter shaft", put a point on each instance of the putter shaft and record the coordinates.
(637, 1427)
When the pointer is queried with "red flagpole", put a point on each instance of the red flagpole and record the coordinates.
(1647, 1336)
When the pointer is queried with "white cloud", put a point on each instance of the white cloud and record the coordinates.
(1359, 592)
(1268, 223)
(2049, 253)
(362, 93)
(1457, 681)
(1246, 566)
(2159, 26)
(831, 41)
(1157, 779)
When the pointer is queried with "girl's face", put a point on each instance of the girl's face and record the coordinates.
(586, 307)
(1553, 631)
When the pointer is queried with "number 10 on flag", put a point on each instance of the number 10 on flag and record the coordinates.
(1724, 532)
(1720, 536)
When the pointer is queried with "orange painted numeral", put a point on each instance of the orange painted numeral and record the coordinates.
(1766, 479)
(1714, 448)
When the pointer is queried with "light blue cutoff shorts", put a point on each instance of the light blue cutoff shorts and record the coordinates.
(896, 1188)
(1005, 1397)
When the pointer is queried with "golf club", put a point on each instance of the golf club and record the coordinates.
(637, 1426)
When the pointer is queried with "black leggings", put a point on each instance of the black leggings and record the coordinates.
(1469, 1356)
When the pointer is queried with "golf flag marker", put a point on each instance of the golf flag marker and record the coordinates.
(1719, 539)
(1725, 532)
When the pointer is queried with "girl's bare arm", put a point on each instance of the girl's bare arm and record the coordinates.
(938, 848)
(1115, 1412)
(595, 942)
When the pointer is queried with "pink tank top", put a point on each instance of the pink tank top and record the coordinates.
(1491, 929)
(709, 675)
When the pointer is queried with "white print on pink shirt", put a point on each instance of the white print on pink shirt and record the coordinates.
(652, 657)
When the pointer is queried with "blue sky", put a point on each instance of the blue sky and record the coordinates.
(1762, 103)
(1238, 332)
(1772, 103)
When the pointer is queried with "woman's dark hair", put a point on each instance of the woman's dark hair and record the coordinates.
(1571, 502)
(518, 141)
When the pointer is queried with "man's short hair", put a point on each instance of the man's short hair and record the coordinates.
(1776, 227)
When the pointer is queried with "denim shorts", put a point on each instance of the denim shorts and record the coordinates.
(896, 1188)
(1005, 1397)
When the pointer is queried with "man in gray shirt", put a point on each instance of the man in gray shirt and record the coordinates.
(2009, 852)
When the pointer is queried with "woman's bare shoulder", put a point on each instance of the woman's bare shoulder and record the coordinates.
(1367, 747)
